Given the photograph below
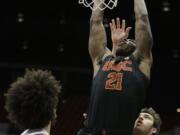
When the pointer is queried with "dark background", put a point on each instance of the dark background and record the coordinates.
(54, 35)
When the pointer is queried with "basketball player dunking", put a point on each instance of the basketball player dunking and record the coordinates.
(120, 76)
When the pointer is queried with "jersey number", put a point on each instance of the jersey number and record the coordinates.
(114, 81)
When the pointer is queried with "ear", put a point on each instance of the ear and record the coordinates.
(154, 130)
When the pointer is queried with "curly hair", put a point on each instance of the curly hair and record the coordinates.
(156, 116)
(31, 100)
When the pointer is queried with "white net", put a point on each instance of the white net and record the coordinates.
(108, 4)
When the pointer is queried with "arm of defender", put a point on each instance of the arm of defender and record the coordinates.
(143, 37)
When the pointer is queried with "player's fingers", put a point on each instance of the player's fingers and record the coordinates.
(118, 22)
(123, 24)
(128, 29)
(113, 24)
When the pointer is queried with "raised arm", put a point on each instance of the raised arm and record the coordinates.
(97, 37)
(143, 37)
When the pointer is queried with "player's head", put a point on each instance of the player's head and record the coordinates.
(125, 48)
(31, 100)
(148, 122)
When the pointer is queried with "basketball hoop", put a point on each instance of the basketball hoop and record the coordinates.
(102, 5)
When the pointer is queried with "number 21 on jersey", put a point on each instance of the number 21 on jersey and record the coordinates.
(114, 81)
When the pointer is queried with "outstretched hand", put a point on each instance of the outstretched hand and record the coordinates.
(119, 32)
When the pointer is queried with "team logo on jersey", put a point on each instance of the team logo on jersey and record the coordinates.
(121, 66)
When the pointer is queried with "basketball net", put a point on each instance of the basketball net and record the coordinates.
(102, 4)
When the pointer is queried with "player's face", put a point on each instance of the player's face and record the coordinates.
(125, 48)
(144, 124)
